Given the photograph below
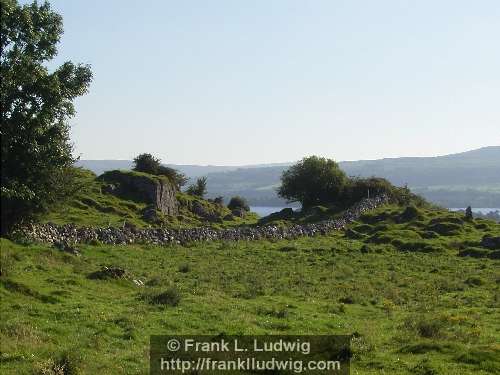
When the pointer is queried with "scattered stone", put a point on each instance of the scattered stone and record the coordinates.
(66, 247)
(138, 282)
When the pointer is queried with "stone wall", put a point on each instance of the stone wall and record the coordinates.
(52, 233)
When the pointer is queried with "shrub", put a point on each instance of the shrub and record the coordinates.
(468, 213)
(198, 189)
(170, 297)
(429, 328)
(219, 200)
(176, 177)
(238, 202)
(66, 363)
(184, 268)
(347, 300)
(320, 181)
(359, 188)
(146, 163)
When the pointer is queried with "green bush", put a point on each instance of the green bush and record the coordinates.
(184, 268)
(170, 297)
(356, 189)
(146, 163)
(199, 188)
(176, 177)
(238, 202)
(430, 328)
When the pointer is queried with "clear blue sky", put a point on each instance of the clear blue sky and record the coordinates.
(243, 82)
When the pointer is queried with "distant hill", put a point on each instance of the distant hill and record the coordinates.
(472, 168)
(192, 171)
(456, 180)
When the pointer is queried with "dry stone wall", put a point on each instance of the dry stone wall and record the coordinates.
(51, 233)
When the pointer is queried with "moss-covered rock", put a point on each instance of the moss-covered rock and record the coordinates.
(156, 190)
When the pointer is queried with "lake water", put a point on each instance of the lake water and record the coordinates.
(267, 210)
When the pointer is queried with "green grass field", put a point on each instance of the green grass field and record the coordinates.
(411, 304)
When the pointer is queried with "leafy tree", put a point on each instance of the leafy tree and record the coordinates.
(178, 178)
(199, 188)
(146, 163)
(238, 202)
(313, 181)
(35, 106)
(468, 213)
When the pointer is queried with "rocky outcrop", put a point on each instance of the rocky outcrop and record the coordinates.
(160, 236)
(155, 190)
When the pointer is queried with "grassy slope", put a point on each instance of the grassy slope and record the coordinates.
(92, 207)
(413, 312)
